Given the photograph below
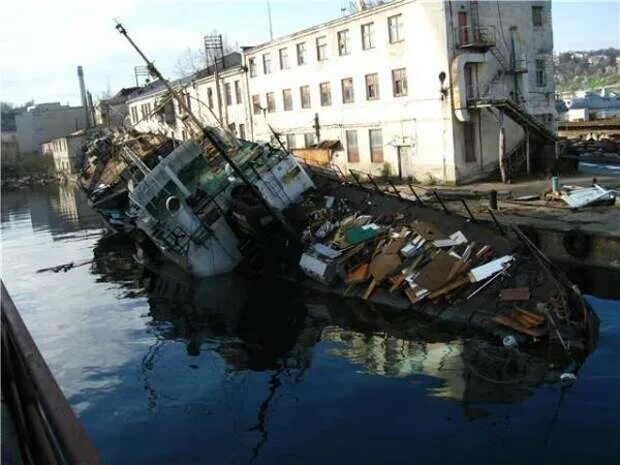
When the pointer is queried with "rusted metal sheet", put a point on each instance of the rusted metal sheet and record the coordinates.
(45, 401)
(516, 293)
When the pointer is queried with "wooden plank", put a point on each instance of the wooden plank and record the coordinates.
(514, 324)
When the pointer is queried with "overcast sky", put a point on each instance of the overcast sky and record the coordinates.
(43, 41)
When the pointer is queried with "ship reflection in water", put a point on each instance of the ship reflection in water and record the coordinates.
(267, 327)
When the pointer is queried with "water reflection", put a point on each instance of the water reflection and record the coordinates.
(162, 368)
(267, 327)
(57, 208)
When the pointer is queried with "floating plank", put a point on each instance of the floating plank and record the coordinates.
(514, 324)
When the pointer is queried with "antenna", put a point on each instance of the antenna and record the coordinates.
(141, 72)
(270, 25)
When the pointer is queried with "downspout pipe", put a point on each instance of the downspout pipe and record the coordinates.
(459, 86)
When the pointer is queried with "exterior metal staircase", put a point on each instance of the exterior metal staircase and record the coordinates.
(518, 115)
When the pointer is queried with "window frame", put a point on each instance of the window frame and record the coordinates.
(344, 40)
(301, 53)
(328, 101)
(537, 16)
(289, 138)
(404, 90)
(267, 63)
(238, 96)
(352, 156)
(540, 71)
(370, 34)
(302, 90)
(288, 92)
(376, 83)
(283, 57)
(252, 66)
(321, 48)
(373, 157)
(312, 135)
(228, 94)
(395, 28)
(270, 100)
(256, 104)
(342, 88)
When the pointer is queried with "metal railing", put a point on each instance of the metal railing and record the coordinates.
(48, 431)
(475, 37)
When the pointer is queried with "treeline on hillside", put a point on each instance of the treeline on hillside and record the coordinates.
(593, 69)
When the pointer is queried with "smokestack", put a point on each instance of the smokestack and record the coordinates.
(80, 73)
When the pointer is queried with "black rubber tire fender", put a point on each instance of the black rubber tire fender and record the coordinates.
(577, 243)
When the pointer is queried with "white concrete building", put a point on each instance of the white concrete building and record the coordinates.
(413, 88)
(45, 121)
(65, 151)
(151, 109)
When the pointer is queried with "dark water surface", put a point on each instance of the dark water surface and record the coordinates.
(161, 369)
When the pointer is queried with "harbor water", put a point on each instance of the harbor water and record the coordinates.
(162, 369)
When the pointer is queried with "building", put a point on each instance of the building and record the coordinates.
(46, 121)
(113, 111)
(65, 151)
(152, 110)
(413, 88)
(437, 91)
(9, 150)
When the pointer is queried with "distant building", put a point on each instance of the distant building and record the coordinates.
(65, 151)
(9, 150)
(112, 112)
(45, 121)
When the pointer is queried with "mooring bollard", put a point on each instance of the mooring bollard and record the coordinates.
(493, 200)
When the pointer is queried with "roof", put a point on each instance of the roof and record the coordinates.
(344, 19)
(230, 61)
(121, 96)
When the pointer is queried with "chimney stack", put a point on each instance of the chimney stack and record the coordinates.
(361, 5)
(80, 73)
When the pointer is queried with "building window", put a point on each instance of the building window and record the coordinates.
(267, 63)
(283, 52)
(304, 92)
(470, 142)
(343, 42)
(309, 139)
(287, 99)
(537, 16)
(232, 128)
(321, 48)
(347, 90)
(301, 53)
(238, 92)
(353, 153)
(326, 94)
(399, 82)
(290, 141)
(376, 145)
(252, 66)
(368, 36)
(256, 104)
(210, 97)
(395, 28)
(541, 78)
(372, 86)
(228, 92)
(242, 130)
(271, 102)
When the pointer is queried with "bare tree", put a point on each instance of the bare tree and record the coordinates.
(353, 6)
(193, 60)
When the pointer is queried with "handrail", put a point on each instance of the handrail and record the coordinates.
(49, 431)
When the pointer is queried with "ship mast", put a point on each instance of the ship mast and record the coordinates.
(213, 140)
